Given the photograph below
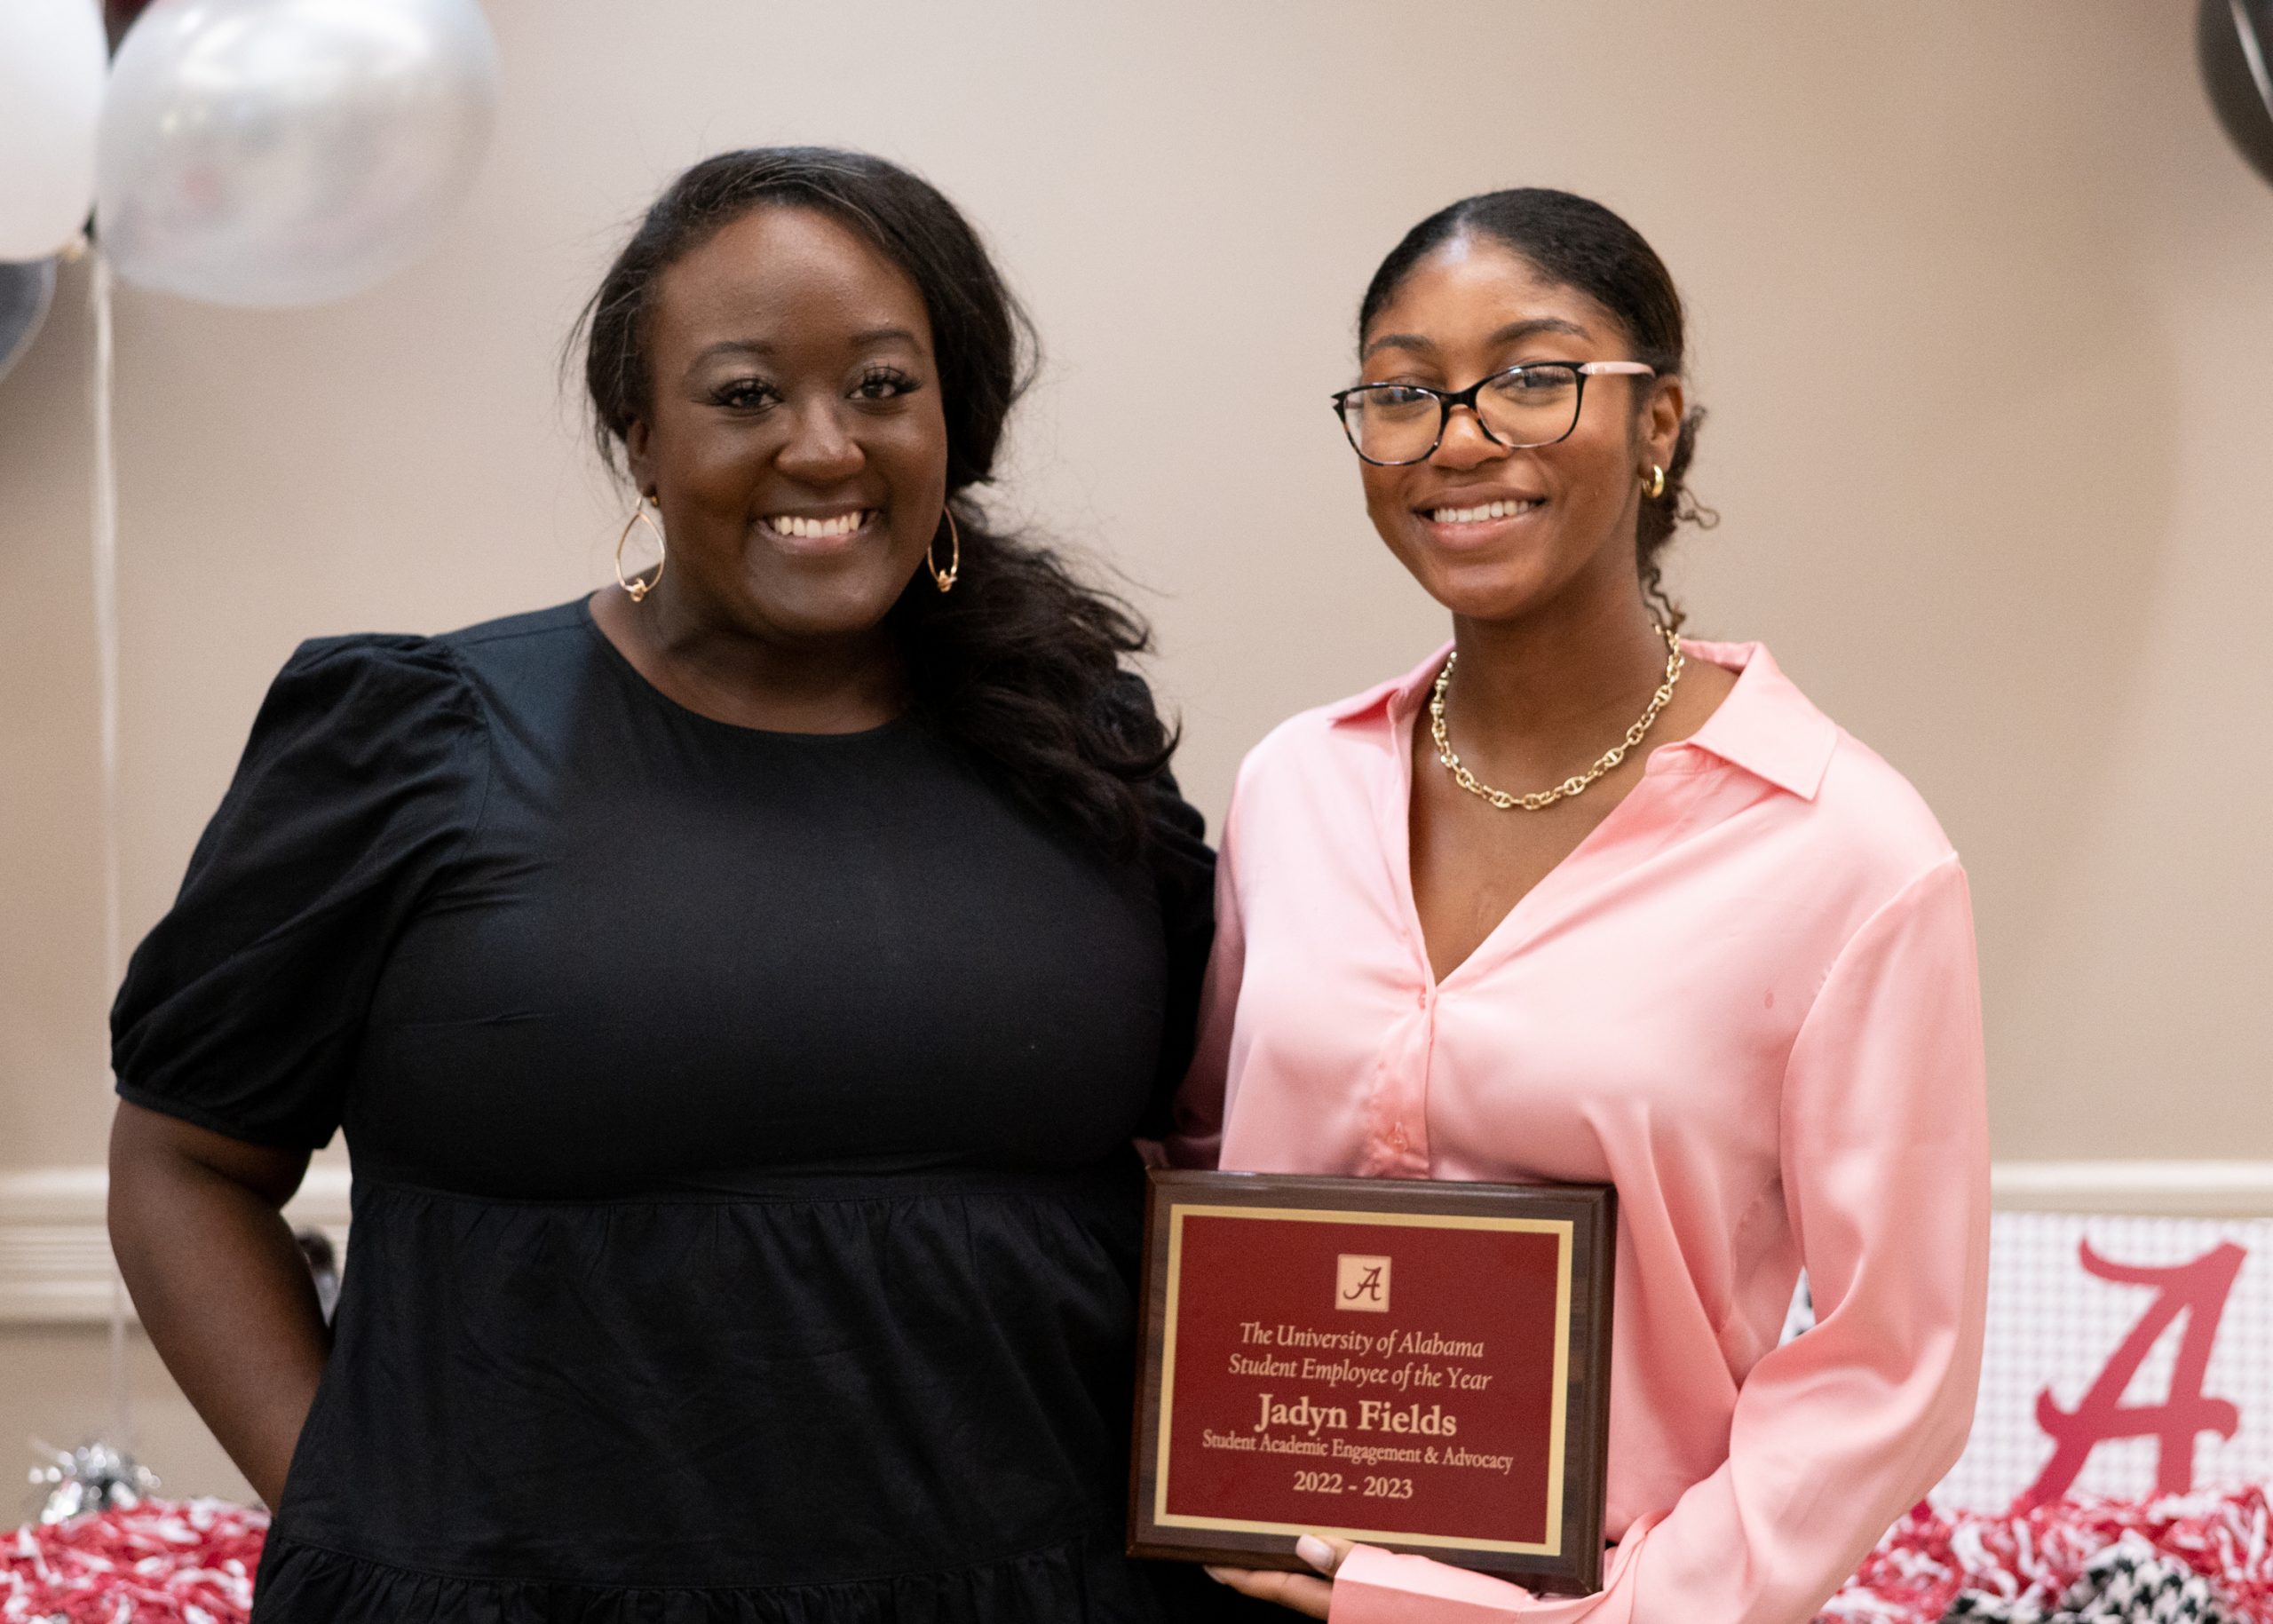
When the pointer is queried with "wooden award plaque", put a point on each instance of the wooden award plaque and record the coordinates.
(1415, 1365)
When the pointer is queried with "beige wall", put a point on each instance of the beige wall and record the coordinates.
(1982, 318)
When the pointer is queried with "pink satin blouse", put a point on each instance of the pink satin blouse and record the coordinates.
(1748, 999)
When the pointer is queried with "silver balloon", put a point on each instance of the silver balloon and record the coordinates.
(286, 152)
(26, 289)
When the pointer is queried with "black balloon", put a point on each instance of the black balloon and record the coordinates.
(26, 289)
(2235, 41)
(118, 16)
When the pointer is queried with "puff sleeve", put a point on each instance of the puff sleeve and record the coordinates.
(244, 1009)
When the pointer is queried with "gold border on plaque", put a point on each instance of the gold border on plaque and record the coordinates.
(1562, 1228)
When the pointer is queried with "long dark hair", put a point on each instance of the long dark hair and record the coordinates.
(1579, 243)
(1022, 663)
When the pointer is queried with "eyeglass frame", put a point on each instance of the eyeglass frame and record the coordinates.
(1447, 400)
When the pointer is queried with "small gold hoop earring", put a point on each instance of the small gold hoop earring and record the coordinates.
(642, 584)
(945, 579)
(1654, 486)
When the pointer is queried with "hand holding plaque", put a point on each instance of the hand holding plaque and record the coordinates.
(1415, 1365)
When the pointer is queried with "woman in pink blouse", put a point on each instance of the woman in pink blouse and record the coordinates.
(1577, 899)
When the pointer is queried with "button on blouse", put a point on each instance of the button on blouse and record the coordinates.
(1749, 1000)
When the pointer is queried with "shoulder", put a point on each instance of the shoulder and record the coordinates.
(1849, 829)
(370, 695)
(1869, 806)
(1347, 735)
(1841, 798)
(1284, 770)
(1867, 840)
(374, 727)
(477, 673)
(372, 674)
(1307, 792)
(539, 637)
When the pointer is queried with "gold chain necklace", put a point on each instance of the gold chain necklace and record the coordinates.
(1542, 798)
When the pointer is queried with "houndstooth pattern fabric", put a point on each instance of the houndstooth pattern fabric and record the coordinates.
(2129, 1582)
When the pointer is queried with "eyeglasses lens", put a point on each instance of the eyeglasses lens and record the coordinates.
(1390, 423)
(1531, 405)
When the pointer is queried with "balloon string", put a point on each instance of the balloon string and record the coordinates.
(106, 684)
(106, 615)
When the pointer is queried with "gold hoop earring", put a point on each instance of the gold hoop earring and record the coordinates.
(1654, 486)
(945, 579)
(642, 584)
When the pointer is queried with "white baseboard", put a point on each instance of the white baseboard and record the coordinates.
(2180, 1189)
(56, 1268)
(55, 1262)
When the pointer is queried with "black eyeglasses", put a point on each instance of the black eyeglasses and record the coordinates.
(1535, 404)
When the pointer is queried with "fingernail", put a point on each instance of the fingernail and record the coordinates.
(1212, 1575)
(1315, 1551)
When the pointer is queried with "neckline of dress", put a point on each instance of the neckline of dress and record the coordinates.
(637, 680)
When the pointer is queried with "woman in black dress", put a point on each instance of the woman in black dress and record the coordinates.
(739, 992)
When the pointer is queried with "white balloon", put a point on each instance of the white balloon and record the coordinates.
(288, 151)
(53, 54)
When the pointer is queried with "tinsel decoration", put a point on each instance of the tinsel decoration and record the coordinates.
(2104, 1561)
(91, 1477)
(159, 1562)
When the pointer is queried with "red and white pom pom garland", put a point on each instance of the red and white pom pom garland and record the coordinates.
(160, 1562)
(2040, 1563)
(191, 1562)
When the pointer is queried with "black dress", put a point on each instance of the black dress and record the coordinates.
(744, 1220)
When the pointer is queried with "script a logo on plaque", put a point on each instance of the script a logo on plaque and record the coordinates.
(1361, 1284)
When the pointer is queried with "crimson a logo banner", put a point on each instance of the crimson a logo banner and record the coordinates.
(2194, 1292)
(2127, 1357)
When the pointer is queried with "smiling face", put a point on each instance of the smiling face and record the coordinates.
(793, 431)
(1495, 534)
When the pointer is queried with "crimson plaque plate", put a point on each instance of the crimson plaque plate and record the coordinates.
(1415, 1365)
